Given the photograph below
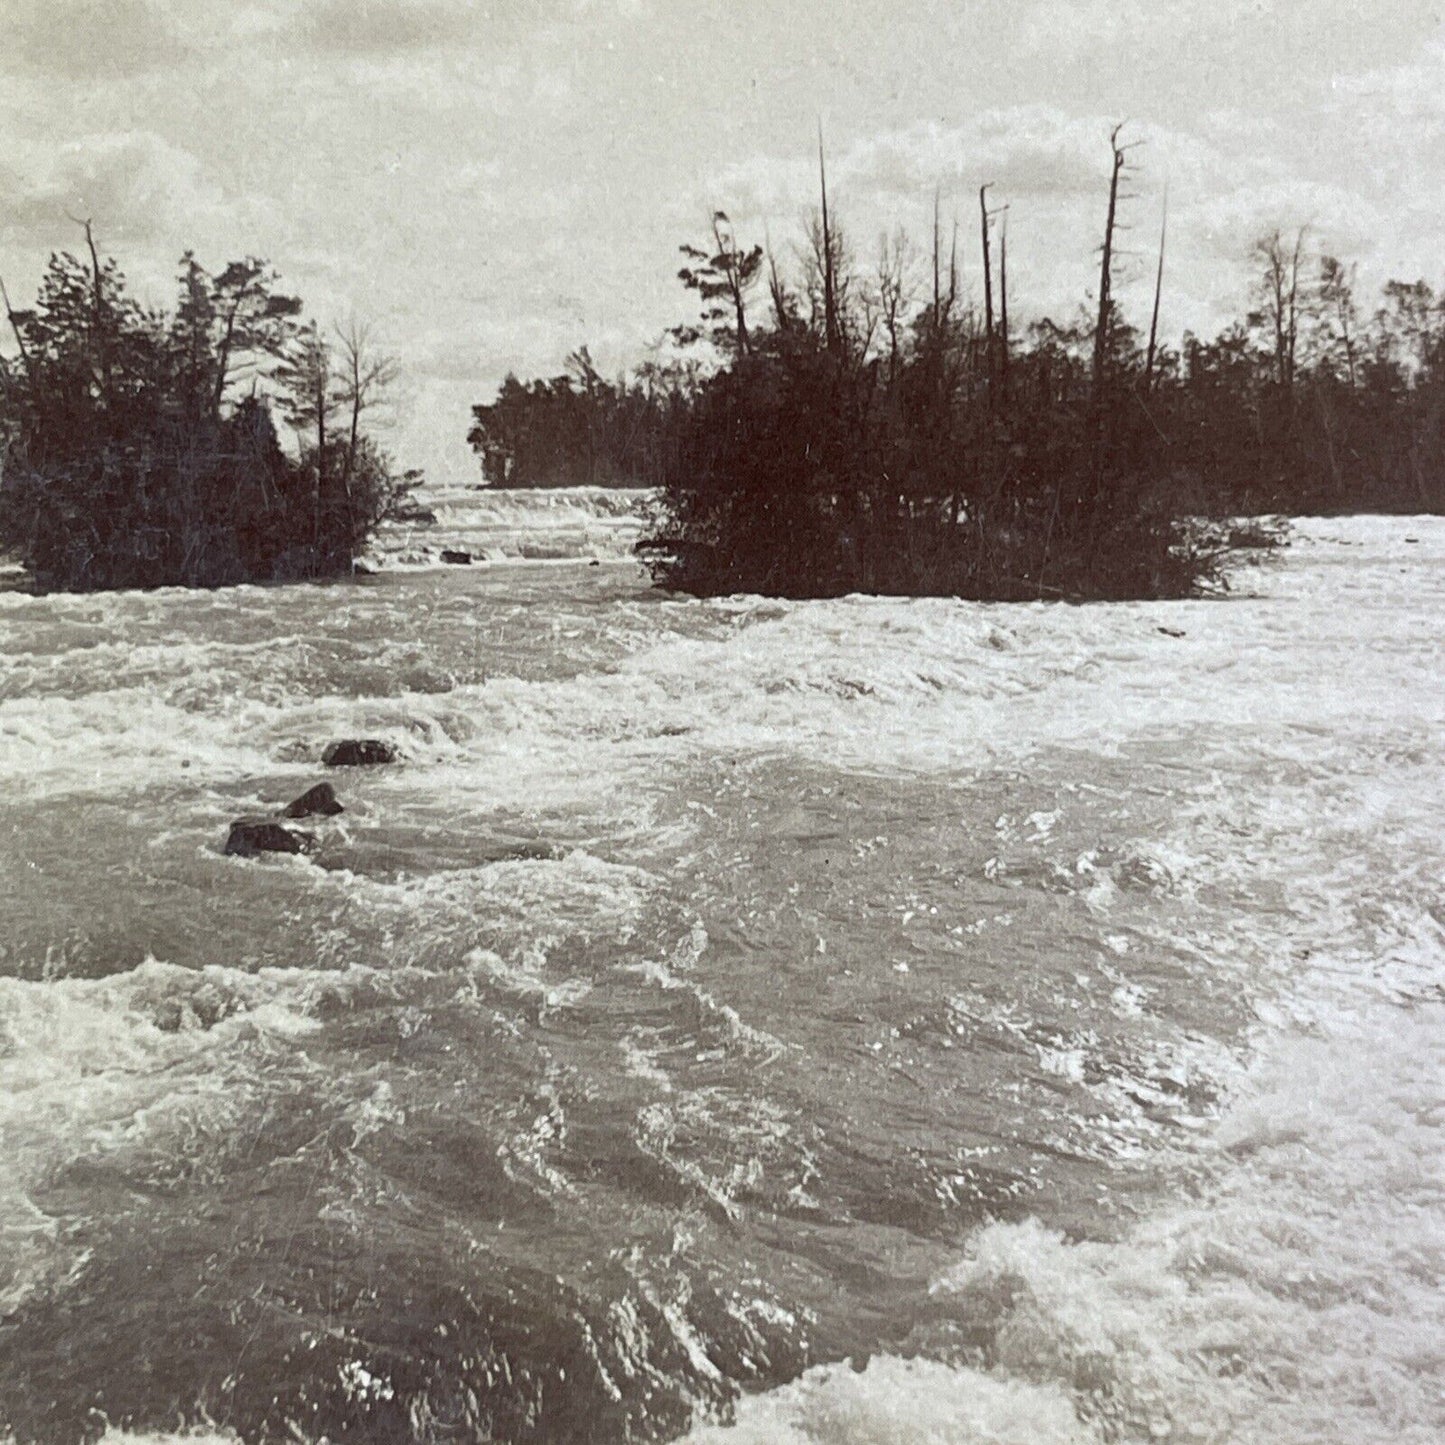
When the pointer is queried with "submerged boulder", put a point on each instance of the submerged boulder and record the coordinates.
(318, 801)
(250, 837)
(359, 753)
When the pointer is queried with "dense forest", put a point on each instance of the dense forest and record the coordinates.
(140, 448)
(866, 428)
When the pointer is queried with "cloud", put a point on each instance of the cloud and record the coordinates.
(1024, 151)
(365, 27)
(1339, 220)
(137, 187)
(90, 39)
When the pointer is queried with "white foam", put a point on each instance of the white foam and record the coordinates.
(495, 524)
(1288, 1287)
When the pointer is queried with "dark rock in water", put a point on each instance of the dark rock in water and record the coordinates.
(423, 515)
(318, 800)
(252, 836)
(594, 563)
(457, 559)
(360, 568)
(358, 753)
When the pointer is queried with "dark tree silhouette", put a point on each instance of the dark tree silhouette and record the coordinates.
(724, 280)
(867, 438)
(128, 458)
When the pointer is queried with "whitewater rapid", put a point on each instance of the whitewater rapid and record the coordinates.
(854, 1021)
(488, 524)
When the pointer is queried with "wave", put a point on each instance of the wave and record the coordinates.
(524, 524)
(1298, 1300)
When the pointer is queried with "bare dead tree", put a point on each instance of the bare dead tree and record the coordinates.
(894, 283)
(1106, 267)
(366, 374)
(952, 297)
(1336, 295)
(983, 220)
(1104, 327)
(944, 301)
(831, 330)
(1279, 283)
(991, 357)
(777, 290)
(937, 264)
(1158, 292)
(98, 338)
(1003, 336)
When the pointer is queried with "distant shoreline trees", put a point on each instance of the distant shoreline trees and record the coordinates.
(874, 432)
(139, 448)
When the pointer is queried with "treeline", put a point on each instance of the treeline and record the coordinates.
(140, 447)
(579, 429)
(870, 429)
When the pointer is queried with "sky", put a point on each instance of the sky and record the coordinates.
(488, 184)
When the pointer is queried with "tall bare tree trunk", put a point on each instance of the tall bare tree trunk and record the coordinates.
(988, 333)
(1158, 292)
(830, 300)
(1003, 339)
(776, 290)
(1102, 328)
(937, 265)
(97, 305)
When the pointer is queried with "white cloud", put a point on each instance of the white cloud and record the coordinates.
(90, 40)
(135, 185)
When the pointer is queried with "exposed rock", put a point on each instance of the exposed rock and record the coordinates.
(359, 753)
(252, 836)
(362, 568)
(415, 514)
(457, 559)
(320, 800)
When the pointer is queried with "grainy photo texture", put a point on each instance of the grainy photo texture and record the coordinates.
(722, 721)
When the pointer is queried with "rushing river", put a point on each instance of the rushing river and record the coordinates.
(853, 1021)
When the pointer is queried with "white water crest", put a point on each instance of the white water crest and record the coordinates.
(858, 1020)
(496, 524)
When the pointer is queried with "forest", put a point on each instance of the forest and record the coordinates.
(866, 428)
(141, 448)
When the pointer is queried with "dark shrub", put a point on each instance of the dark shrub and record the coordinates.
(126, 462)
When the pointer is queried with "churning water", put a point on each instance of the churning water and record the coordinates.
(852, 1021)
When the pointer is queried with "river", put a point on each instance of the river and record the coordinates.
(747, 1021)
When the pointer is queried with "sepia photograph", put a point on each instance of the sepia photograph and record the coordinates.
(722, 721)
